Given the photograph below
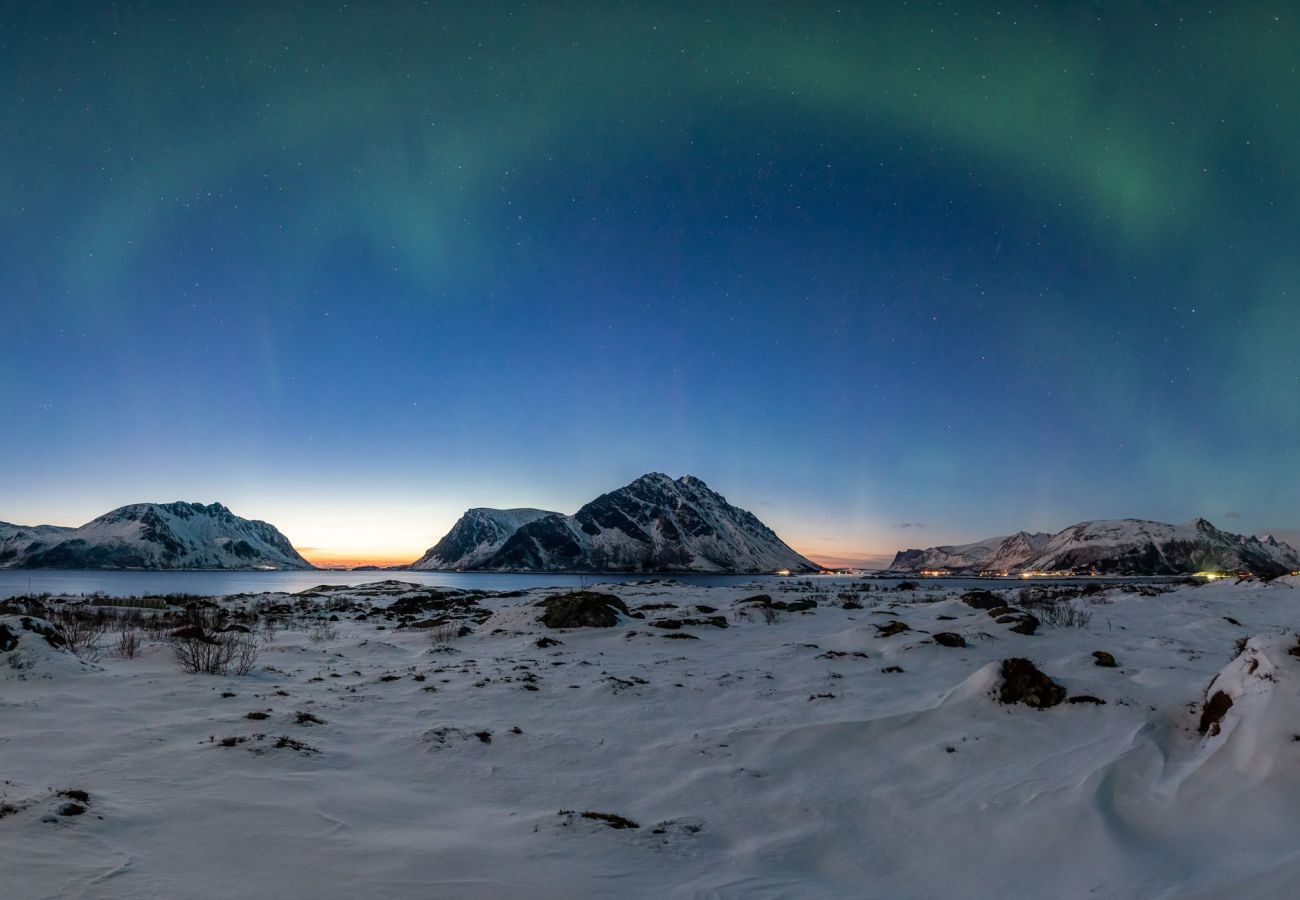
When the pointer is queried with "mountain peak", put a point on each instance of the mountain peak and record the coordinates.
(654, 523)
(177, 535)
(1116, 547)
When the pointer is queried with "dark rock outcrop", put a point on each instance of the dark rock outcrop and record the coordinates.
(1022, 682)
(582, 609)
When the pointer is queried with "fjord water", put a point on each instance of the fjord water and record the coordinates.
(208, 583)
(114, 583)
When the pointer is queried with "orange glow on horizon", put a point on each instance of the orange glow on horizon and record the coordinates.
(323, 558)
(326, 557)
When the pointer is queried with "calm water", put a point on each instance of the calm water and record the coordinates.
(72, 582)
(214, 584)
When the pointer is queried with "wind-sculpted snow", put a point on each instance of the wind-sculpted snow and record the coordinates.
(152, 536)
(445, 742)
(654, 524)
(1113, 547)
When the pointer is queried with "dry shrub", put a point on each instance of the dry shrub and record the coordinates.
(128, 643)
(228, 653)
(322, 630)
(81, 627)
(1065, 615)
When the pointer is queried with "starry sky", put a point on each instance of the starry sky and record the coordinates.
(886, 274)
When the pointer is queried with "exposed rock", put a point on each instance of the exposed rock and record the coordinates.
(981, 599)
(949, 639)
(582, 609)
(1104, 659)
(674, 624)
(1020, 622)
(891, 628)
(1216, 707)
(1022, 682)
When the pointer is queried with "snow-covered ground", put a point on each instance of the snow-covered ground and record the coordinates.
(805, 756)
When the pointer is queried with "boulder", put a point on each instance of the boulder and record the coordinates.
(582, 609)
(981, 599)
(1020, 622)
(1022, 682)
(949, 639)
(1216, 707)
(889, 629)
(191, 633)
(1104, 659)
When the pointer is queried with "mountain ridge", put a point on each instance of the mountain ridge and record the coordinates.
(178, 535)
(1111, 547)
(653, 524)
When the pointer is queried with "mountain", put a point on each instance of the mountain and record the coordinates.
(152, 536)
(996, 554)
(476, 537)
(1113, 547)
(654, 524)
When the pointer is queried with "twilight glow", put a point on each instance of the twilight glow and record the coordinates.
(888, 276)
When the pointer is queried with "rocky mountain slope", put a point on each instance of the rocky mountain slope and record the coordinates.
(476, 537)
(654, 524)
(152, 536)
(1113, 547)
(996, 554)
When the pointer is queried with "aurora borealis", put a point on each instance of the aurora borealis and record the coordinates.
(352, 268)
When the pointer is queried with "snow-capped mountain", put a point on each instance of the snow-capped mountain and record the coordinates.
(15, 539)
(1113, 547)
(476, 536)
(654, 524)
(995, 554)
(152, 536)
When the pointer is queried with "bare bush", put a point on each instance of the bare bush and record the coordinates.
(322, 630)
(81, 627)
(128, 643)
(228, 653)
(1065, 615)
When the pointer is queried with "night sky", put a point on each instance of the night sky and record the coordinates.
(886, 274)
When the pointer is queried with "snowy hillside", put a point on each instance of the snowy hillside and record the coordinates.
(152, 536)
(476, 536)
(776, 739)
(654, 524)
(996, 554)
(15, 539)
(1113, 547)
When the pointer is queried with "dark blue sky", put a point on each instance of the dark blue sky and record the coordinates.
(895, 277)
